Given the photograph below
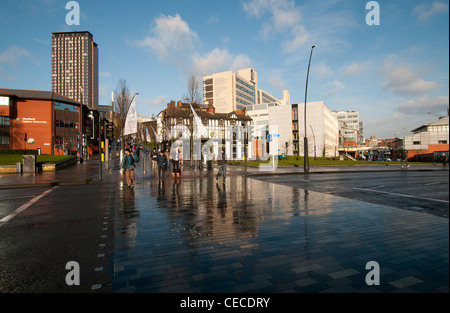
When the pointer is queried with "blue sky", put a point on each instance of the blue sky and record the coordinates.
(396, 74)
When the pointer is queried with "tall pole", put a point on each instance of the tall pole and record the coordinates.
(81, 127)
(99, 147)
(305, 144)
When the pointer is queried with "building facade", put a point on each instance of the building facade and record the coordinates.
(176, 123)
(273, 114)
(322, 129)
(350, 127)
(429, 140)
(228, 91)
(75, 67)
(52, 120)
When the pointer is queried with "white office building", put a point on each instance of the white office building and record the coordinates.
(228, 91)
(322, 129)
(351, 128)
(278, 116)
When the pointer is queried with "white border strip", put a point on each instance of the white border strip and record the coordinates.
(401, 195)
(26, 205)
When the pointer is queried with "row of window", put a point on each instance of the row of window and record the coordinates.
(66, 124)
(4, 121)
(441, 142)
(250, 92)
(244, 96)
(244, 83)
(4, 140)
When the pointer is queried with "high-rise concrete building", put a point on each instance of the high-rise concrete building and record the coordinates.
(228, 91)
(350, 127)
(75, 66)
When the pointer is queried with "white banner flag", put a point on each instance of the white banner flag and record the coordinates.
(156, 135)
(147, 135)
(131, 121)
(199, 129)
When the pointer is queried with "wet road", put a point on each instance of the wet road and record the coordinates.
(289, 233)
(42, 229)
(424, 191)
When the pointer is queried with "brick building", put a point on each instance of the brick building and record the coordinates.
(52, 120)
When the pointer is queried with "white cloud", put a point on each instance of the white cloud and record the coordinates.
(425, 11)
(170, 37)
(424, 105)
(355, 68)
(322, 71)
(218, 60)
(285, 20)
(11, 58)
(276, 81)
(403, 81)
(12, 55)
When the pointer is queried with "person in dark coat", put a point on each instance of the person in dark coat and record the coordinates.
(127, 166)
(222, 162)
(162, 164)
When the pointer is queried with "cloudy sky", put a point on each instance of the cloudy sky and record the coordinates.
(395, 74)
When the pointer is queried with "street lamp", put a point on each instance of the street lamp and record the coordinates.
(305, 144)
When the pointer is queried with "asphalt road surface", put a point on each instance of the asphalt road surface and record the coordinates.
(44, 228)
(426, 191)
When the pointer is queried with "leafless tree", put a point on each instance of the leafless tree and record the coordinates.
(194, 95)
(122, 102)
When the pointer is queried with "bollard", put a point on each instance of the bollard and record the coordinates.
(18, 167)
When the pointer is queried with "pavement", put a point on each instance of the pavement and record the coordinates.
(199, 235)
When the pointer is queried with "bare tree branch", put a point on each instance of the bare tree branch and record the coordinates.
(121, 105)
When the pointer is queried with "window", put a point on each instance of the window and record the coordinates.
(4, 120)
(416, 142)
(4, 140)
(442, 142)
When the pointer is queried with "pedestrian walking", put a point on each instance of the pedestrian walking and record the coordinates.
(162, 164)
(127, 166)
(175, 157)
(444, 159)
(404, 158)
(167, 154)
(222, 162)
(154, 160)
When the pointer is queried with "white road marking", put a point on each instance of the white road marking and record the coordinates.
(402, 195)
(26, 205)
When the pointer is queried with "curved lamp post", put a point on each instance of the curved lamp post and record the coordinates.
(305, 144)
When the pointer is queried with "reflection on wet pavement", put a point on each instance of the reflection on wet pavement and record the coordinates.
(199, 235)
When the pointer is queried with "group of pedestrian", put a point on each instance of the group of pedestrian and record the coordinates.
(160, 162)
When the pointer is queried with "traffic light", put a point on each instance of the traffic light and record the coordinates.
(110, 130)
